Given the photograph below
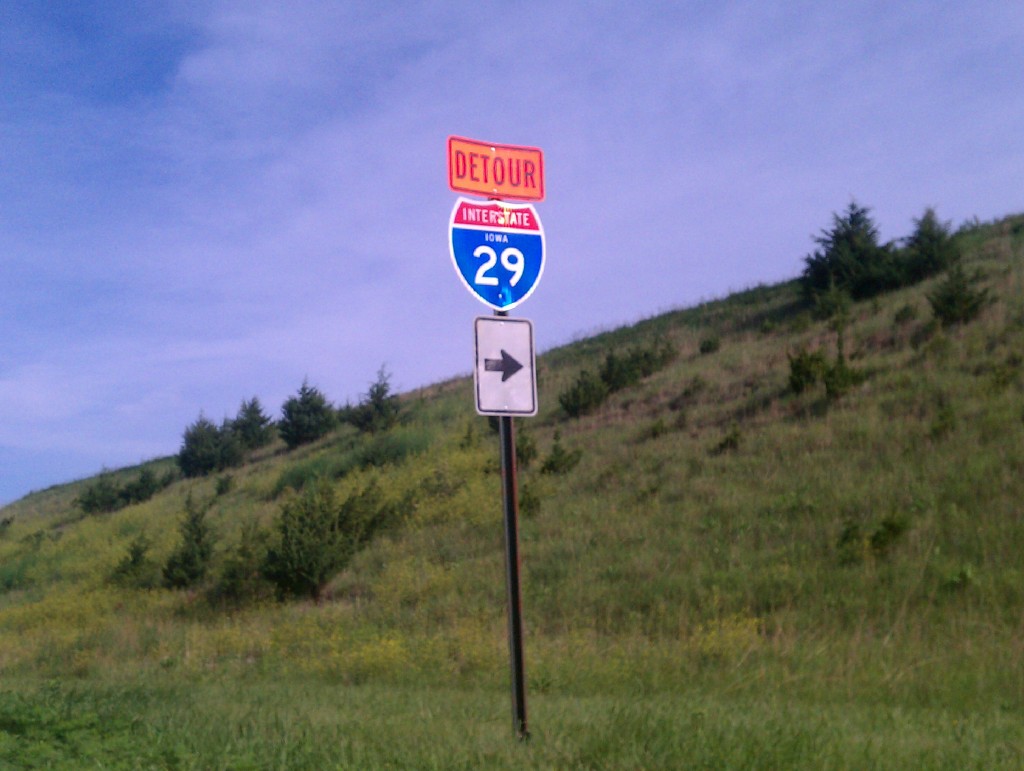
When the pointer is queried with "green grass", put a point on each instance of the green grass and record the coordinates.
(312, 725)
(732, 576)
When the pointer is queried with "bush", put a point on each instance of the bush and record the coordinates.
(840, 378)
(106, 495)
(729, 443)
(379, 409)
(710, 345)
(317, 536)
(560, 461)
(142, 489)
(136, 570)
(931, 249)
(618, 372)
(307, 416)
(958, 299)
(189, 562)
(851, 259)
(805, 369)
(101, 496)
(206, 448)
(392, 448)
(526, 448)
(241, 579)
(584, 396)
(252, 426)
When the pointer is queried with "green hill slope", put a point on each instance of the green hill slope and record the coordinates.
(732, 572)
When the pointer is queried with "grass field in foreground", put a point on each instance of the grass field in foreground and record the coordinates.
(304, 724)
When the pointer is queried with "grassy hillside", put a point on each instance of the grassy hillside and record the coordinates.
(733, 575)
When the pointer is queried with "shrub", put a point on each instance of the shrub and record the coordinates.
(252, 426)
(729, 443)
(142, 489)
(189, 562)
(560, 461)
(905, 314)
(101, 496)
(710, 344)
(106, 495)
(658, 428)
(206, 448)
(620, 372)
(888, 533)
(931, 249)
(317, 536)
(307, 417)
(805, 369)
(136, 570)
(840, 378)
(526, 448)
(379, 409)
(529, 501)
(851, 544)
(958, 298)
(392, 448)
(241, 579)
(851, 259)
(584, 396)
(225, 485)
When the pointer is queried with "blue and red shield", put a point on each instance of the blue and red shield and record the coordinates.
(497, 249)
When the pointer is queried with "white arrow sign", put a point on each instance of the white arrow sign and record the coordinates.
(505, 374)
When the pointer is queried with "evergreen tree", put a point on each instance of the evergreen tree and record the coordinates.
(252, 426)
(851, 259)
(206, 448)
(200, 448)
(379, 409)
(101, 496)
(306, 417)
(189, 562)
(931, 249)
(142, 489)
(958, 298)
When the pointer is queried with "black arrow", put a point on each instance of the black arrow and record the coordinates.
(506, 365)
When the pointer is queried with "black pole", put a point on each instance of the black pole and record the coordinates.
(510, 489)
(506, 433)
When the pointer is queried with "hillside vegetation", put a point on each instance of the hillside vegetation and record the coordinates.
(791, 539)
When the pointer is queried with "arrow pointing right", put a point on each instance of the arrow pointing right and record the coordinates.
(506, 365)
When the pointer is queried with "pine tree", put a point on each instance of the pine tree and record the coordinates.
(200, 448)
(306, 417)
(931, 249)
(189, 562)
(958, 298)
(379, 409)
(851, 259)
(252, 426)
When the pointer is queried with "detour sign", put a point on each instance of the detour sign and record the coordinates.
(495, 171)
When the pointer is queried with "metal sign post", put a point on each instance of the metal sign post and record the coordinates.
(509, 484)
(498, 252)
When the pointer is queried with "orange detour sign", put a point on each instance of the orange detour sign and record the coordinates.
(495, 171)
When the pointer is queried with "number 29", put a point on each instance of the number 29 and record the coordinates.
(511, 259)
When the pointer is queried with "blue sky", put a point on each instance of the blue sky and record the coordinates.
(207, 201)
